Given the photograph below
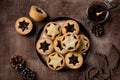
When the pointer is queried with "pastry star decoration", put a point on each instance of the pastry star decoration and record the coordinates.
(70, 41)
(73, 60)
(44, 46)
(53, 30)
(55, 61)
(23, 25)
(70, 28)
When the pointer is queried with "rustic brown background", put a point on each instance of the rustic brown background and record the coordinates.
(12, 43)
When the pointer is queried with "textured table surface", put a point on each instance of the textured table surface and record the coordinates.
(11, 43)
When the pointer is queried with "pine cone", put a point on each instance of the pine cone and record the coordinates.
(98, 30)
(18, 63)
(28, 74)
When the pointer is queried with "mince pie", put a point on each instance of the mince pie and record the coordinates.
(70, 41)
(44, 46)
(23, 25)
(55, 61)
(84, 44)
(74, 60)
(70, 26)
(58, 45)
(37, 13)
(52, 30)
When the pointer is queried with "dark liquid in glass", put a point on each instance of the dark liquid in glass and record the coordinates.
(93, 9)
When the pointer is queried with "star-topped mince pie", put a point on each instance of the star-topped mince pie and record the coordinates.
(52, 30)
(84, 44)
(23, 25)
(55, 61)
(37, 13)
(58, 45)
(74, 60)
(70, 41)
(44, 46)
(70, 26)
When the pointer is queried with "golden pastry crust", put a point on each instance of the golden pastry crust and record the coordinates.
(23, 26)
(85, 44)
(52, 30)
(74, 60)
(55, 61)
(37, 13)
(70, 26)
(58, 45)
(44, 46)
(70, 41)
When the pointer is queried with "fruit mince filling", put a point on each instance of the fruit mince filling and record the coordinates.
(59, 45)
(70, 28)
(23, 25)
(73, 60)
(44, 46)
(38, 10)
